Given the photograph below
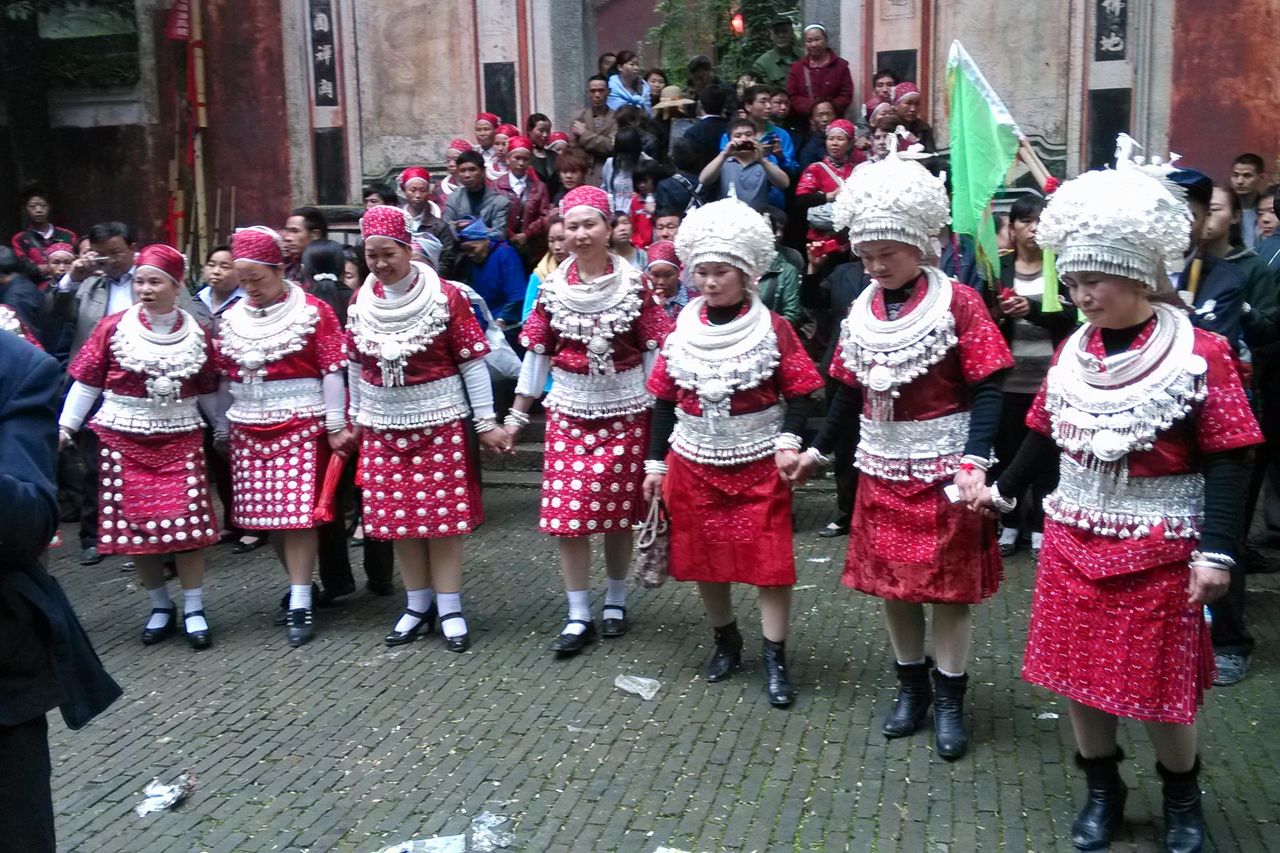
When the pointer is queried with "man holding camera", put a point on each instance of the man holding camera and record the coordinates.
(744, 168)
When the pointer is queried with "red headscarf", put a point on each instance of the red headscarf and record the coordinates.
(55, 248)
(515, 143)
(557, 136)
(414, 173)
(844, 126)
(489, 117)
(903, 89)
(460, 145)
(385, 221)
(586, 196)
(259, 244)
(162, 258)
(507, 130)
(663, 252)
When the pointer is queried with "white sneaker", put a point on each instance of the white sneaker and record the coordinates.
(1037, 540)
(1008, 540)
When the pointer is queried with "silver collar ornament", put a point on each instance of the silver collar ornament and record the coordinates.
(715, 362)
(393, 329)
(594, 312)
(255, 337)
(165, 359)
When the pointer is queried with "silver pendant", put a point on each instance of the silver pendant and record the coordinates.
(598, 345)
(879, 378)
(1108, 445)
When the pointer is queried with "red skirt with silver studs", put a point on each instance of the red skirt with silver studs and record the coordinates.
(591, 474)
(276, 471)
(419, 483)
(153, 493)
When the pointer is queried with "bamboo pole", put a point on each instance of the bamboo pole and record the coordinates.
(200, 117)
(216, 238)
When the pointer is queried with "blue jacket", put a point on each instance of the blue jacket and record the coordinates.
(787, 159)
(46, 660)
(1219, 297)
(620, 96)
(500, 281)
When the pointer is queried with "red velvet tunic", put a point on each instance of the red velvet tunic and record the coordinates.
(276, 468)
(818, 177)
(423, 483)
(592, 467)
(1110, 623)
(908, 542)
(153, 494)
(732, 523)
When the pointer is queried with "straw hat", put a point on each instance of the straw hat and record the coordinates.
(672, 97)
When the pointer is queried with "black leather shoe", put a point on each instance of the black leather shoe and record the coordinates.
(834, 530)
(282, 615)
(329, 595)
(90, 556)
(426, 625)
(198, 639)
(911, 705)
(1183, 818)
(151, 636)
(727, 658)
(300, 630)
(567, 645)
(611, 628)
(460, 643)
(950, 735)
(256, 542)
(777, 684)
(1103, 811)
(380, 587)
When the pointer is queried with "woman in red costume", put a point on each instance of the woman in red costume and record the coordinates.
(1145, 419)
(417, 372)
(149, 365)
(927, 357)
(282, 353)
(595, 330)
(732, 387)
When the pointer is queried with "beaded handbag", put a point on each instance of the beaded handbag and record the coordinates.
(651, 560)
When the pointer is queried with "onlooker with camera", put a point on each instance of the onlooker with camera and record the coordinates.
(743, 169)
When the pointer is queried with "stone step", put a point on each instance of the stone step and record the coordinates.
(528, 457)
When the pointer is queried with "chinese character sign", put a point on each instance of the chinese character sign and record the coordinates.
(1111, 19)
(324, 64)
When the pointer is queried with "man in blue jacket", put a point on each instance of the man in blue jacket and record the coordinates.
(46, 661)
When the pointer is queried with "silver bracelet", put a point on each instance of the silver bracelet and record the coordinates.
(655, 466)
(484, 425)
(335, 423)
(787, 441)
(1000, 502)
(1213, 560)
(979, 462)
(817, 456)
(515, 420)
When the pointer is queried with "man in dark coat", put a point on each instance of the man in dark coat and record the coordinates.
(46, 661)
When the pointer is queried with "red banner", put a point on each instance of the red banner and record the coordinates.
(178, 27)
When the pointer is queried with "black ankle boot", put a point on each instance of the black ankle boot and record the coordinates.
(1183, 819)
(777, 684)
(911, 707)
(1103, 811)
(950, 736)
(727, 658)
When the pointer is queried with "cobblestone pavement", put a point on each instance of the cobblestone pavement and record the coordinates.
(347, 745)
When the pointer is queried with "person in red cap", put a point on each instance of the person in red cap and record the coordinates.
(61, 256)
(595, 330)
(282, 355)
(416, 372)
(424, 216)
(486, 129)
(530, 201)
(150, 365)
(557, 141)
(449, 183)
(664, 270)
(820, 182)
(906, 103)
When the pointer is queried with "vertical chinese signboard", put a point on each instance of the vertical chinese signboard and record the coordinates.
(328, 134)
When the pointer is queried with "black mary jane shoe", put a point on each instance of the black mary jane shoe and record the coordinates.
(426, 625)
(198, 639)
(243, 547)
(282, 615)
(612, 628)
(834, 530)
(151, 636)
(567, 645)
(460, 643)
(300, 630)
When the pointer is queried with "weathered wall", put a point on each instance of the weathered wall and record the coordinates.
(625, 25)
(1225, 98)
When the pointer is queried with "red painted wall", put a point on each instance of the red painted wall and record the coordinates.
(1225, 99)
(247, 143)
(624, 25)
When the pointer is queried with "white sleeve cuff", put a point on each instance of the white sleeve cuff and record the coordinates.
(475, 375)
(534, 371)
(79, 403)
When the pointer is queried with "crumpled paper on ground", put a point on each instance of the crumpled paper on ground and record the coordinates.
(160, 797)
(484, 836)
(645, 688)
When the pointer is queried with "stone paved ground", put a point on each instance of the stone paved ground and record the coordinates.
(346, 745)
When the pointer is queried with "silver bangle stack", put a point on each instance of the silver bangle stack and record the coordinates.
(484, 425)
(976, 461)
(787, 441)
(1212, 560)
(999, 501)
(818, 457)
(655, 466)
(516, 419)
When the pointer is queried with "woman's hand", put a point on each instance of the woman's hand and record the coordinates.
(971, 482)
(1015, 306)
(513, 435)
(1207, 584)
(652, 486)
(495, 441)
(983, 504)
(65, 438)
(806, 467)
(787, 462)
(343, 441)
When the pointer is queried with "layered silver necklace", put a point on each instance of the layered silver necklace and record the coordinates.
(1105, 408)
(715, 361)
(594, 312)
(393, 329)
(887, 354)
(164, 358)
(255, 337)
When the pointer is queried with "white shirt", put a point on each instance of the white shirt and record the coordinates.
(119, 291)
(517, 184)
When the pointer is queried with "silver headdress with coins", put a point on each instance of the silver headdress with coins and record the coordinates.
(728, 231)
(893, 199)
(1130, 221)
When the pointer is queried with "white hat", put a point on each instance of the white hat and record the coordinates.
(728, 231)
(1129, 221)
(893, 199)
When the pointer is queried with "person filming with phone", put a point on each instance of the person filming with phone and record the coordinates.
(742, 168)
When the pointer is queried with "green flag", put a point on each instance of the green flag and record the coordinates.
(984, 142)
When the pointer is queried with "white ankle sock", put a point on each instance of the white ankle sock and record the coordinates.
(419, 600)
(159, 601)
(193, 600)
(942, 671)
(1008, 535)
(911, 662)
(1037, 540)
(451, 602)
(299, 596)
(579, 608)
(615, 599)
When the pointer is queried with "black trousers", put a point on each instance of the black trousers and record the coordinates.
(334, 553)
(846, 476)
(1009, 436)
(26, 797)
(88, 441)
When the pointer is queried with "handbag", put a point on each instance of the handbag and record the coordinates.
(651, 559)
